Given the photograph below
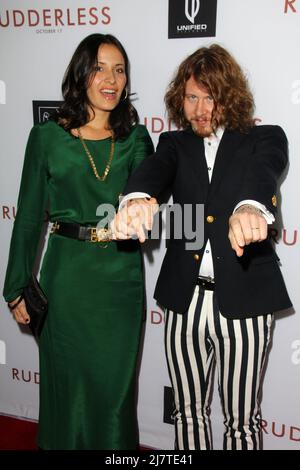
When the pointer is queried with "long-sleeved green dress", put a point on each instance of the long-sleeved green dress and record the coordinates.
(89, 344)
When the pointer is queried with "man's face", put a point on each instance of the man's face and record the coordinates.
(198, 106)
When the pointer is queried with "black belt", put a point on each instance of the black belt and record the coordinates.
(85, 233)
(206, 283)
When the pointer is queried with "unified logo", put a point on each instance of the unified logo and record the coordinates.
(2, 92)
(192, 18)
(192, 9)
(42, 110)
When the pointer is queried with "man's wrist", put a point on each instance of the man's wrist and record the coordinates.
(130, 196)
(249, 207)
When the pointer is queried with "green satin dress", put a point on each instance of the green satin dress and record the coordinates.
(90, 341)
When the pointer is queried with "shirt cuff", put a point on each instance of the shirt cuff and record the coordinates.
(269, 217)
(124, 199)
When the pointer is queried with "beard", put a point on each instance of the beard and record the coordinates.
(202, 131)
(209, 123)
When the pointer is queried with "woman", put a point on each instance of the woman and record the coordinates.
(89, 344)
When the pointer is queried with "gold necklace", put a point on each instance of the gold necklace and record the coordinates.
(93, 165)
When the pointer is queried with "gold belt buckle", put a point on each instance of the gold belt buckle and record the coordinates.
(94, 235)
(102, 235)
(54, 227)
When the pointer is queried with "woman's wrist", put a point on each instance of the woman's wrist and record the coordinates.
(12, 305)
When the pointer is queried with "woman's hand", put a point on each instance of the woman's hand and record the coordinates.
(133, 218)
(19, 311)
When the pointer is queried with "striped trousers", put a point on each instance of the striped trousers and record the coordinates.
(195, 342)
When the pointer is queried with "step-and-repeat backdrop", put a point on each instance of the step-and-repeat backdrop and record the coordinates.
(37, 39)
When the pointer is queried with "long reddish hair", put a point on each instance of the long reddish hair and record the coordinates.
(217, 71)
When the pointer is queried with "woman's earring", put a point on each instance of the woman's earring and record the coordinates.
(126, 95)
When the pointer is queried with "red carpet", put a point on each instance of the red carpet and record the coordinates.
(17, 434)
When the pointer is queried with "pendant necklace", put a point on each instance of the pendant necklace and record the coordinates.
(91, 160)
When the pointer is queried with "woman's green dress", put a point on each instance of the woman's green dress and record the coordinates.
(90, 341)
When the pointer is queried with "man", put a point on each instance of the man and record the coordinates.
(219, 299)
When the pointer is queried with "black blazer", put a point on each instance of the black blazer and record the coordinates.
(247, 166)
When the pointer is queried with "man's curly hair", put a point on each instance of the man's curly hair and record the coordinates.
(218, 72)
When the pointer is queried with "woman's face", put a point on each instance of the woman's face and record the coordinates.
(105, 89)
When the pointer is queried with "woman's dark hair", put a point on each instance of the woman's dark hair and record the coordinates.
(74, 111)
(217, 71)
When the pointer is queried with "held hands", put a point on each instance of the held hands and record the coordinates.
(246, 226)
(131, 220)
(18, 309)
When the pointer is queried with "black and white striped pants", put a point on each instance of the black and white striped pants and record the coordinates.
(195, 341)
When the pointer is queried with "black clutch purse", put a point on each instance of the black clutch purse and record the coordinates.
(36, 305)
